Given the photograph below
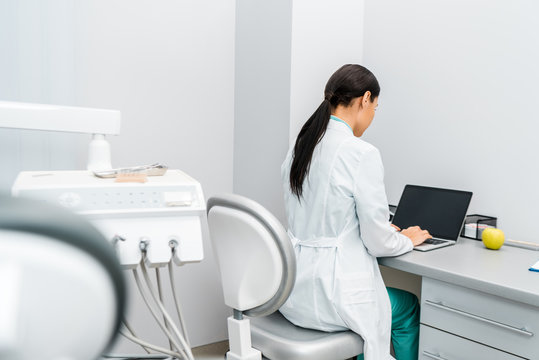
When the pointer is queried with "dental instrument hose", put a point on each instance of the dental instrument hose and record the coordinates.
(130, 329)
(155, 315)
(160, 291)
(164, 311)
(175, 296)
(150, 346)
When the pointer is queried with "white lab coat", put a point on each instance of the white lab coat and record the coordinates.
(338, 229)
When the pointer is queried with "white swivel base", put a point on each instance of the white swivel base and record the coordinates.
(239, 337)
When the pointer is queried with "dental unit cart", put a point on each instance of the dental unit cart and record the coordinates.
(152, 216)
(151, 224)
(166, 208)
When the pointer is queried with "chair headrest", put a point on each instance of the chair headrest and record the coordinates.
(279, 234)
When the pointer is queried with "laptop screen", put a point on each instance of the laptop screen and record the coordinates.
(440, 211)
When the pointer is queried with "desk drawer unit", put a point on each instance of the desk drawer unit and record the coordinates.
(487, 319)
(445, 346)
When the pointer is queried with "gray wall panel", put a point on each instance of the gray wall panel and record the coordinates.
(262, 99)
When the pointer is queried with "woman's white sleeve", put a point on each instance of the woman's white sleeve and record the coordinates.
(379, 237)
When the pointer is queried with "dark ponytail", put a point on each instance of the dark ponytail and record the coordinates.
(310, 134)
(349, 82)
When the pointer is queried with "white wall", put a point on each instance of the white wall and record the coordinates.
(168, 66)
(458, 102)
(325, 36)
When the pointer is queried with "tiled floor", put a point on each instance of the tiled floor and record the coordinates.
(214, 351)
(211, 352)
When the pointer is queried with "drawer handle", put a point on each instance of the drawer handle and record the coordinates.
(432, 356)
(480, 318)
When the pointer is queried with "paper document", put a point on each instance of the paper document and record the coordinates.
(535, 267)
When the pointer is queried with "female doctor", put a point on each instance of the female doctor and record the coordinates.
(338, 215)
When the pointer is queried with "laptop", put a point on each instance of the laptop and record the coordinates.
(440, 211)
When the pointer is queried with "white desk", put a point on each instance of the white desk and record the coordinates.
(475, 303)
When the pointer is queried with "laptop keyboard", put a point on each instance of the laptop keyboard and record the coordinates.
(434, 241)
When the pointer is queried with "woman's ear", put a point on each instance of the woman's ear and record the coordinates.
(366, 98)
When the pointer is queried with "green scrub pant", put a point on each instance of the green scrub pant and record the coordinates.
(404, 324)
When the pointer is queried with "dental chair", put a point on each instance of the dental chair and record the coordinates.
(62, 290)
(258, 269)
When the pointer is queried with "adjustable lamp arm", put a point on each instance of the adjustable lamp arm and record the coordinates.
(98, 122)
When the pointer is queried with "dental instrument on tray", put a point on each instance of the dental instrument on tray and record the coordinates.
(156, 169)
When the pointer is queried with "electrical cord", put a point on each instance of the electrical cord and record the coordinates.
(176, 302)
(154, 312)
(130, 329)
(164, 312)
(160, 291)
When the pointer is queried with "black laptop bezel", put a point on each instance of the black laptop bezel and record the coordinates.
(469, 193)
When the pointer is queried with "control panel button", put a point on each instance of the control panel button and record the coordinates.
(69, 199)
(178, 198)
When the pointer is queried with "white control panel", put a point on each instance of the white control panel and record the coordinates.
(165, 213)
(83, 192)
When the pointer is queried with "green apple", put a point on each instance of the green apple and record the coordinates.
(493, 238)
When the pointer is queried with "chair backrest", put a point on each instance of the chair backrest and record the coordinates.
(256, 259)
(63, 291)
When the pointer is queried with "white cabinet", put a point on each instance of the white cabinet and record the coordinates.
(440, 345)
(468, 324)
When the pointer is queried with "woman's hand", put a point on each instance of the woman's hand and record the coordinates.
(416, 234)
